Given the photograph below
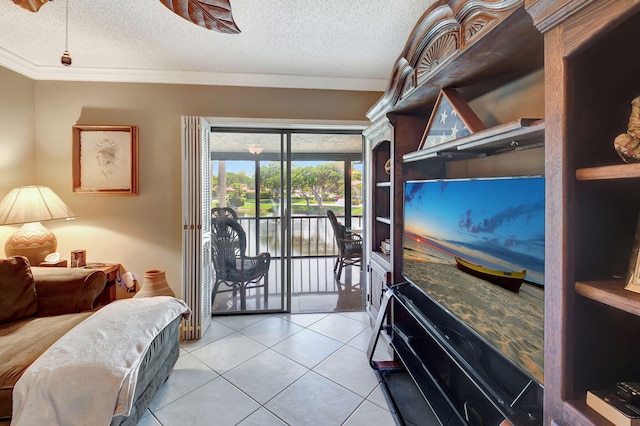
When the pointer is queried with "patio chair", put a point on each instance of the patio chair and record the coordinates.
(232, 266)
(349, 246)
(222, 212)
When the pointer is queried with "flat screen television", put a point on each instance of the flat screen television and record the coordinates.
(476, 247)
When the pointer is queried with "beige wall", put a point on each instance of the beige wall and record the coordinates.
(141, 232)
(17, 135)
(17, 130)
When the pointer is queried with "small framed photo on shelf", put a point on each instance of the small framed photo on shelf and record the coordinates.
(451, 118)
(78, 258)
(105, 159)
(633, 274)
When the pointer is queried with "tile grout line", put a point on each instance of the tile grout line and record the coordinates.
(349, 343)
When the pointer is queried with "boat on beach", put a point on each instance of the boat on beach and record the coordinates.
(511, 280)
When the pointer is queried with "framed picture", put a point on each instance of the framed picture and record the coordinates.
(450, 119)
(78, 258)
(105, 159)
(633, 274)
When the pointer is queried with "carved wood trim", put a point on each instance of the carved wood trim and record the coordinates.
(399, 75)
(437, 53)
(547, 14)
(378, 131)
(580, 20)
(409, 84)
(441, 34)
(472, 28)
(477, 25)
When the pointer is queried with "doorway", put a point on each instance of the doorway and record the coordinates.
(280, 182)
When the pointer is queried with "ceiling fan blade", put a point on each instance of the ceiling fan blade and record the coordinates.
(211, 14)
(32, 5)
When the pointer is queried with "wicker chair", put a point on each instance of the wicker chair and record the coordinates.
(349, 246)
(232, 266)
(223, 212)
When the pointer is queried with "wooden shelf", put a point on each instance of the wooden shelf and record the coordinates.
(578, 412)
(618, 171)
(439, 156)
(611, 293)
(518, 134)
(386, 220)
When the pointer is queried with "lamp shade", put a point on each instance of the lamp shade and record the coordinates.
(30, 205)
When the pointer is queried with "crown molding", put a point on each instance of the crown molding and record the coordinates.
(73, 73)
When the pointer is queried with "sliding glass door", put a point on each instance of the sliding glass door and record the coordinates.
(249, 173)
(280, 184)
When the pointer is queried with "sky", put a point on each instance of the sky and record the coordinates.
(498, 223)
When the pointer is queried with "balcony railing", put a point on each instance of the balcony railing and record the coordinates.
(313, 257)
(312, 235)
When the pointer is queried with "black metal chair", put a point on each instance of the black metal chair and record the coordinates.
(232, 266)
(349, 245)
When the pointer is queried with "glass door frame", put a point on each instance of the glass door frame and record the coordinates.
(286, 159)
(283, 253)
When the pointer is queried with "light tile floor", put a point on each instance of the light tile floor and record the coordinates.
(293, 369)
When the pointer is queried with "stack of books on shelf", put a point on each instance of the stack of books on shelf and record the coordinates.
(615, 406)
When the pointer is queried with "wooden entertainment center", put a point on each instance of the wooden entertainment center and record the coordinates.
(585, 51)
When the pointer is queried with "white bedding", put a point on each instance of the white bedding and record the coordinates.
(89, 375)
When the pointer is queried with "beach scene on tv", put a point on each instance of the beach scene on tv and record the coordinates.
(477, 247)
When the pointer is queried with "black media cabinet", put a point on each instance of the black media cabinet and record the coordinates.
(443, 372)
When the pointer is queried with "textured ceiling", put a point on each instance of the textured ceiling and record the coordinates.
(328, 44)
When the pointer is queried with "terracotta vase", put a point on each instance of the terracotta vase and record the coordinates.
(155, 284)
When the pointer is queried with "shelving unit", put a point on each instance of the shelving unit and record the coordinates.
(378, 223)
(475, 48)
(592, 324)
(610, 292)
(425, 66)
(450, 54)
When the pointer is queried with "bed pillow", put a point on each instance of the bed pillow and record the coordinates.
(17, 290)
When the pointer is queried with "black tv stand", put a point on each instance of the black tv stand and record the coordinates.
(444, 373)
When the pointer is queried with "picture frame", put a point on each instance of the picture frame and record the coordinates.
(451, 118)
(78, 258)
(105, 159)
(633, 273)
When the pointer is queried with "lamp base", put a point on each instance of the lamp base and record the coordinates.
(32, 241)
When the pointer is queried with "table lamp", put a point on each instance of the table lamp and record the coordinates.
(30, 205)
